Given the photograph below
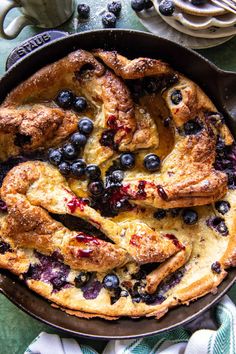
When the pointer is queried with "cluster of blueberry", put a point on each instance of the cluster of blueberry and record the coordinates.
(66, 99)
(140, 5)
(110, 199)
(151, 162)
(109, 17)
(150, 85)
(218, 224)
(63, 157)
(190, 216)
(49, 269)
(111, 283)
(166, 7)
(226, 161)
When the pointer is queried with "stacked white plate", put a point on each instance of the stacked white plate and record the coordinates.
(193, 26)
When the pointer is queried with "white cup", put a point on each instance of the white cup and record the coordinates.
(41, 13)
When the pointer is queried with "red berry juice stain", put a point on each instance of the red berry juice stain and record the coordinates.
(135, 240)
(75, 203)
(175, 241)
(81, 237)
(84, 253)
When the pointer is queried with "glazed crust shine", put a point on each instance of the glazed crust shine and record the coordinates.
(147, 258)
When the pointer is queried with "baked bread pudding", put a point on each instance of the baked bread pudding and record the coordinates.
(118, 186)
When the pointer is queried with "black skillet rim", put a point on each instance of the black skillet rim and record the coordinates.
(184, 321)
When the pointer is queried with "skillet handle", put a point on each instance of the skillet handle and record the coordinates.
(33, 44)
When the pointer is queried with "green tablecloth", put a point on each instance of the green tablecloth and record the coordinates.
(17, 329)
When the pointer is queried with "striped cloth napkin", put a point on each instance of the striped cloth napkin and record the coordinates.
(178, 341)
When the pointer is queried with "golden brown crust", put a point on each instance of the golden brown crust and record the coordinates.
(40, 126)
(31, 112)
(166, 268)
(187, 174)
(86, 315)
(32, 185)
(54, 260)
(30, 226)
(132, 69)
(45, 83)
(199, 183)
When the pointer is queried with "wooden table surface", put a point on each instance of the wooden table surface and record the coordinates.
(18, 329)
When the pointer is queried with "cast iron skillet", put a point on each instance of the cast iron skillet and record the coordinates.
(219, 85)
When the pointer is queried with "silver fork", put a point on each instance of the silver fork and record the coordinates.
(229, 5)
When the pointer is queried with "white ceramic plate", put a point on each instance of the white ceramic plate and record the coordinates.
(209, 9)
(212, 32)
(199, 23)
(154, 23)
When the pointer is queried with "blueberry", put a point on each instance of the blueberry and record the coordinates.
(69, 151)
(148, 298)
(138, 5)
(4, 247)
(83, 11)
(176, 97)
(137, 299)
(109, 20)
(85, 126)
(190, 216)
(92, 289)
(54, 156)
(65, 99)
(114, 7)
(127, 160)
(107, 139)
(192, 127)
(124, 293)
(166, 7)
(148, 4)
(222, 229)
(117, 176)
(222, 206)
(93, 172)
(96, 188)
(216, 267)
(64, 168)
(80, 104)
(111, 281)
(218, 224)
(159, 214)
(121, 205)
(78, 168)
(78, 139)
(152, 298)
(3, 206)
(82, 279)
(198, 2)
(152, 162)
(58, 282)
